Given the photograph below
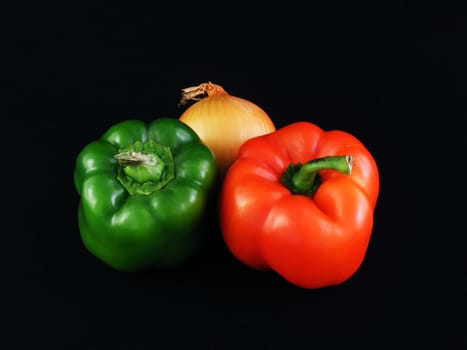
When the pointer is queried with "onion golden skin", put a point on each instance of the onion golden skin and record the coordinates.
(224, 122)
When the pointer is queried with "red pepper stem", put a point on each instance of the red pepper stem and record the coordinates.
(305, 179)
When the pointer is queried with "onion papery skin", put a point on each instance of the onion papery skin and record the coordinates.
(224, 122)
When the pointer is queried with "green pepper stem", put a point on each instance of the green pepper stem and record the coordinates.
(145, 167)
(134, 158)
(305, 179)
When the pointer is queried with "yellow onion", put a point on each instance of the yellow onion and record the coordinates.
(222, 121)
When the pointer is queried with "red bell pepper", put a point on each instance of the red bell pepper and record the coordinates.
(300, 201)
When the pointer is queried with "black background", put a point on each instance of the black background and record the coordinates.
(391, 75)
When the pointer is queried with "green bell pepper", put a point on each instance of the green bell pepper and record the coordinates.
(143, 191)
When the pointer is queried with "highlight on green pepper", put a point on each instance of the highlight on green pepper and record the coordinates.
(143, 191)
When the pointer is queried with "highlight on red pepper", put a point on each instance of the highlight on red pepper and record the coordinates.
(300, 201)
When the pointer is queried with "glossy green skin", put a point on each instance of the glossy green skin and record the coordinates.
(138, 232)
